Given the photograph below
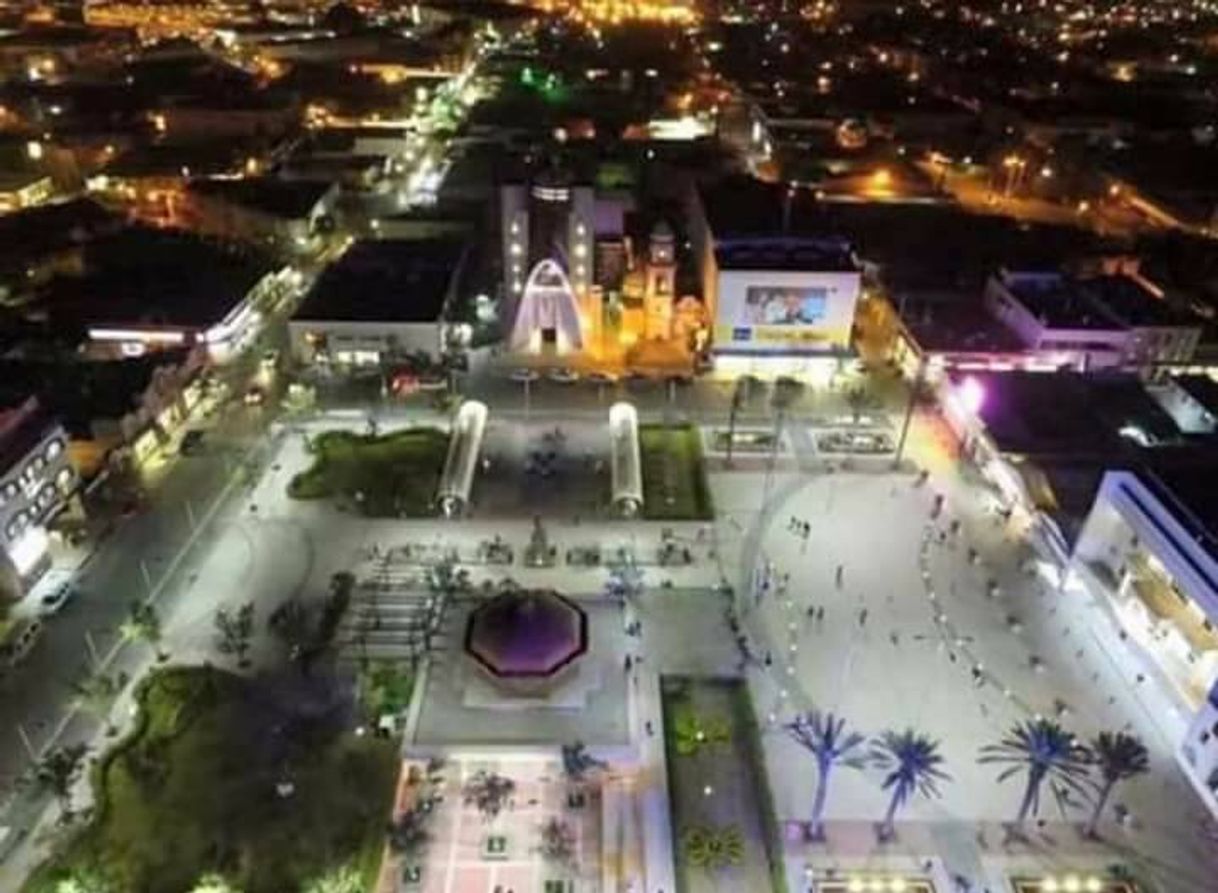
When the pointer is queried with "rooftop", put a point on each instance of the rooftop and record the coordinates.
(22, 426)
(387, 281)
(785, 253)
(79, 393)
(145, 276)
(1183, 480)
(1201, 388)
(954, 322)
(1057, 303)
(1070, 415)
(1132, 303)
(288, 199)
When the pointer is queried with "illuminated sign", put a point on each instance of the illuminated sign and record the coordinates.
(28, 549)
(784, 306)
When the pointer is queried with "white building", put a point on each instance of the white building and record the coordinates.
(382, 301)
(35, 480)
(1148, 551)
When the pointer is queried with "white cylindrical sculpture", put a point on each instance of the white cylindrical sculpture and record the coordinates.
(625, 465)
(464, 443)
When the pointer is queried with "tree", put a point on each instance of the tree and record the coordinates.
(856, 399)
(213, 882)
(693, 731)
(233, 631)
(1046, 752)
(408, 834)
(488, 791)
(557, 842)
(1118, 757)
(577, 762)
(825, 736)
(289, 623)
(57, 772)
(84, 880)
(97, 694)
(911, 761)
(344, 879)
(143, 624)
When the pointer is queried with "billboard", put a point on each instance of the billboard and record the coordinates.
(784, 312)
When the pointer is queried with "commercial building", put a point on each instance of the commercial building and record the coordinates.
(780, 289)
(286, 216)
(35, 481)
(383, 300)
(144, 290)
(1149, 552)
(1094, 323)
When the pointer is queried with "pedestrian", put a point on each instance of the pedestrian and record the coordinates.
(820, 614)
(650, 729)
(629, 663)
(895, 638)
(838, 575)
(862, 618)
(769, 659)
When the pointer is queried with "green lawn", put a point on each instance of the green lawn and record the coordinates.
(193, 790)
(674, 480)
(382, 476)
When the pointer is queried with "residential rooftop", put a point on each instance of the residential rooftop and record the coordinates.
(1058, 304)
(1132, 303)
(145, 276)
(387, 281)
(785, 253)
(954, 322)
(287, 199)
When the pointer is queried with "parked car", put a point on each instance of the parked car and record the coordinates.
(255, 396)
(23, 636)
(562, 375)
(191, 441)
(54, 601)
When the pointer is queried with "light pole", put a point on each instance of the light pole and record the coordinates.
(919, 378)
(737, 399)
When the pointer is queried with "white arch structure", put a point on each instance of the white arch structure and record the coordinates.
(464, 443)
(547, 302)
(625, 465)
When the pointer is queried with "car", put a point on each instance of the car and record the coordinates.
(255, 396)
(523, 375)
(191, 441)
(22, 638)
(602, 378)
(55, 600)
(270, 358)
(563, 375)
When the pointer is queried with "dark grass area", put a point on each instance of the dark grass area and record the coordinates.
(195, 788)
(381, 476)
(674, 478)
(740, 757)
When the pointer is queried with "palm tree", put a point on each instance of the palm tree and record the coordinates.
(825, 736)
(84, 880)
(1118, 757)
(96, 694)
(1044, 750)
(408, 834)
(143, 623)
(912, 762)
(577, 762)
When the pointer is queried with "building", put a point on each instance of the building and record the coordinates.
(24, 189)
(285, 216)
(1048, 314)
(780, 290)
(35, 482)
(144, 289)
(548, 226)
(1094, 323)
(1149, 553)
(382, 301)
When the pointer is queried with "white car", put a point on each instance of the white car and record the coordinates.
(524, 375)
(54, 601)
(563, 375)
